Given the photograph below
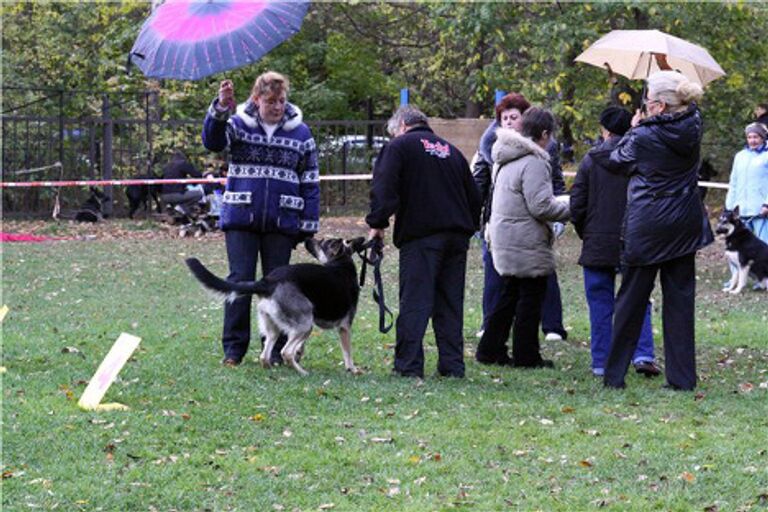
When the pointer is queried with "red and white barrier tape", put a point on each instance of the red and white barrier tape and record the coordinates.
(186, 181)
(191, 181)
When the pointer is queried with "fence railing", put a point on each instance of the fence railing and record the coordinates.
(107, 148)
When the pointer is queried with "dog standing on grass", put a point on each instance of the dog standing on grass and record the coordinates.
(746, 254)
(294, 297)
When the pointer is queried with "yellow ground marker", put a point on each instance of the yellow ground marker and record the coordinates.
(3, 312)
(106, 373)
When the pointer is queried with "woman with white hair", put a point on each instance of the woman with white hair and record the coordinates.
(664, 225)
(748, 187)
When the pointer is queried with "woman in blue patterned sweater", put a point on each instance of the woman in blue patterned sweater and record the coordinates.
(272, 195)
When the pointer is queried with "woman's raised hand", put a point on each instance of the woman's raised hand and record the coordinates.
(227, 94)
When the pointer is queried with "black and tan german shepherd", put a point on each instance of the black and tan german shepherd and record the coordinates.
(294, 297)
(746, 254)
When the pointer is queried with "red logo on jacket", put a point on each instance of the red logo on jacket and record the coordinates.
(436, 148)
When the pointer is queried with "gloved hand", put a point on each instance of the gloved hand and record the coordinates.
(558, 228)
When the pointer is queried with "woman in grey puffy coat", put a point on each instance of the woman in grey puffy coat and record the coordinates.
(520, 240)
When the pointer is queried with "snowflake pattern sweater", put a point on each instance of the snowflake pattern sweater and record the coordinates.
(273, 183)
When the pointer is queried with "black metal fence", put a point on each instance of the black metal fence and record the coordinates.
(113, 143)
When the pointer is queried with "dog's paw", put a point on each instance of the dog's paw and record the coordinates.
(354, 370)
(265, 362)
(735, 292)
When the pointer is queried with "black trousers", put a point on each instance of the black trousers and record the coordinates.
(518, 309)
(432, 274)
(678, 287)
(243, 250)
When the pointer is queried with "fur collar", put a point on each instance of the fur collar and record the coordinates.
(510, 145)
(248, 112)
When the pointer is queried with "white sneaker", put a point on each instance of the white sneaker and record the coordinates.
(553, 336)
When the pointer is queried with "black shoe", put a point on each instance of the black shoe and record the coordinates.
(449, 375)
(673, 387)
(614, 386)
(543, 363)
(503, 360)
(647, 368)
(410, 375)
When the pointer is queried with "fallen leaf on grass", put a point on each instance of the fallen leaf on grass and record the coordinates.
(420, 480)
(567, 410)
(7, 474)
(70, 350)
(414, 459)
(546, 421)
(585, 464)
(287, 433)
(746, 387)
(381, 439)
(688, 477)
(437, 457)
(326, 506)
(257, 417)
(711, 508)
(593, 433)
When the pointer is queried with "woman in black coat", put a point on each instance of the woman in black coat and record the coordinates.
(664, 225)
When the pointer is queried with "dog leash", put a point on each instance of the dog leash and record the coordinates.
(749, 222)
(372, 253)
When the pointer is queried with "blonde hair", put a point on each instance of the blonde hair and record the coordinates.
(674, 89)
(270, 83)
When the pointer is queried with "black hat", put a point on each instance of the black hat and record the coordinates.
(616, 120)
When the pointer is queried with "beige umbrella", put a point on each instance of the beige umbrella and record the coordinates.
(638, 53)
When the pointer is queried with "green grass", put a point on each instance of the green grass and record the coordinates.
(203, 437)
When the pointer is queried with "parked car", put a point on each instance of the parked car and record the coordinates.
(349, 154)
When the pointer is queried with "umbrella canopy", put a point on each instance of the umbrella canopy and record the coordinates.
(191, 39)
(636, 54)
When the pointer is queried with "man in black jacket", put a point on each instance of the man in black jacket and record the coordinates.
(598, 201)
(426, 182)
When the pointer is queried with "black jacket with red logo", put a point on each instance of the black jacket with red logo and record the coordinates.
(426, 182)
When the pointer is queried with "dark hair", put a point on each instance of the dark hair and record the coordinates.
(536, 121)
(512, 100)
(763, 106)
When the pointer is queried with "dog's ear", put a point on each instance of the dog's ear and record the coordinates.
(356, 244)
(736, 210)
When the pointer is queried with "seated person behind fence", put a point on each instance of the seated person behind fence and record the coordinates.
(177, 194)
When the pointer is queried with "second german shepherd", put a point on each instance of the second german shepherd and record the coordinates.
(746, 254)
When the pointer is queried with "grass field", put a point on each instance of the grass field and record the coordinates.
(200, 436)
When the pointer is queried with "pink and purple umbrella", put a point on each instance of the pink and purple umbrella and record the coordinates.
(191, 39)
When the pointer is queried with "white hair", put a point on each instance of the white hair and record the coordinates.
(674, 89)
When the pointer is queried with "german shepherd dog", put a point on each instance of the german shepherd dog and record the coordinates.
(746, 254)
(294, 297)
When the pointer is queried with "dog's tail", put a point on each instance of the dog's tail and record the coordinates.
(227, 290)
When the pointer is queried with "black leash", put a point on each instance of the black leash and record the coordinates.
(372, 253)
